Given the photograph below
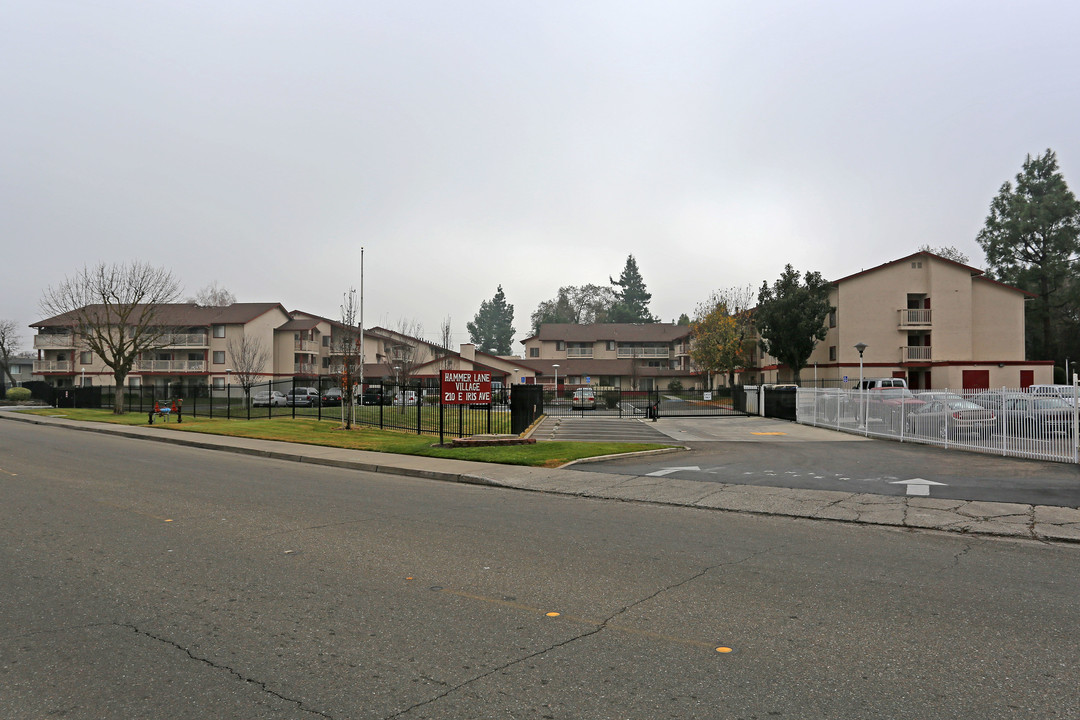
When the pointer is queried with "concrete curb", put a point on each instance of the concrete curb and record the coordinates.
(1043, 523)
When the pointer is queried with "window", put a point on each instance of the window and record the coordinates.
(134, 381)
(326, 341)
(61, 357)
(534, 352)
(916, 265)
(84, 358)
(560, 345)
(219, 383)
(326, 362)
(219, 331)
(832, 319)
(832, 353)
(219, 357)
(610, 344)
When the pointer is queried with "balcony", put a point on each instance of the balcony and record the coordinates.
(308, 346)
(185, 340)
(579, 352)
(914, 317)
(49, 366)
(649, 353)
(305, 369)
(171, 366)
(915, 353)
(54, 340)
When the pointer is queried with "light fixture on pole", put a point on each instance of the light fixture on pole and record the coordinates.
(514, 377)
(861, 347)
(556, 366)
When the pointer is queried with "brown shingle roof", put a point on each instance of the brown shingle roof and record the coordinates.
(620, 332)
(188, 314)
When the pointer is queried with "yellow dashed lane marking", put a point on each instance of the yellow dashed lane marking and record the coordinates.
(6, 472)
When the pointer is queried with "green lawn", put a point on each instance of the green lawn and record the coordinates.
(330, 433)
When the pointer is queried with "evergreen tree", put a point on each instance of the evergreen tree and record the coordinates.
(1032, 240)
(584, 304)
(791, 315)
(631, 297)
(492, 329)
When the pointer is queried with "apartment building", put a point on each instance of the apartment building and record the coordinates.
(933, 321)
(199, 343)
(630, 356)
(195, 347)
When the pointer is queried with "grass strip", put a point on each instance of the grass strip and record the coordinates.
(330, 434)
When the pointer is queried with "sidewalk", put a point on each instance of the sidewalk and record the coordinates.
(1038, 522)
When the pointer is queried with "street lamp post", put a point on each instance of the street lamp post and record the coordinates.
(556, 366)
(861, 347)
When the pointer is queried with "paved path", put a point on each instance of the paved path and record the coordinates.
(1016, 520)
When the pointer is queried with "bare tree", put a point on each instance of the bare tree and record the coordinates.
(213, 295)
(115, 311)
(446, 338)
(346, 342)
(248, 356)
(405, 354)
(9, 338)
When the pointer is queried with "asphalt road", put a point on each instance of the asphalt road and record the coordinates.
(756, 451)
(146, 580)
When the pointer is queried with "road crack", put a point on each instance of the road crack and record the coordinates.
(600, 627)
(231, 671)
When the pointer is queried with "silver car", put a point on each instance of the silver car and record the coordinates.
(268, 399)
(583, 398)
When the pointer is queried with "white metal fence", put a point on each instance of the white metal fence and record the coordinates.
(1005, 421)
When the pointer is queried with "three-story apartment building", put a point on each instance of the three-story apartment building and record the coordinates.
(933, 321)
(631, 356)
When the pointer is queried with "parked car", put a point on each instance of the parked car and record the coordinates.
(406, 397)
(268, 399)
(302, 397)
(375, 396)
(950, 416)
(332, 396)
(1024, 414)
(583, 398)
(890, 404)
(1065, 392)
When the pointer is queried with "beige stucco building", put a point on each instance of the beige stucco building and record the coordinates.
(630, 356)
(936, 322)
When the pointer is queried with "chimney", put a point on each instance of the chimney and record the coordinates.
(468, 352)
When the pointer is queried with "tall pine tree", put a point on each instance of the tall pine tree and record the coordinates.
(631, 297)
(1032, 240)
(492, 329)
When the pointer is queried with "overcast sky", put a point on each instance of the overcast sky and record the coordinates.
(530, 144)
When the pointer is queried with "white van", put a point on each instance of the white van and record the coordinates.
(406, 397)
(877, 383)
(1065, 392)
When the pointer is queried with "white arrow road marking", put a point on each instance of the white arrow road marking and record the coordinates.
(917, 486)
(669, 470)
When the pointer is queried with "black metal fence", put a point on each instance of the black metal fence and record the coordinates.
(390, 406)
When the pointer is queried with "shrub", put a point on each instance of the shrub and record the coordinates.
(18, 394)
(674, 386)
(611, 399)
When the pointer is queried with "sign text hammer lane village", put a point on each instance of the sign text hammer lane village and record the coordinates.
(462, 387)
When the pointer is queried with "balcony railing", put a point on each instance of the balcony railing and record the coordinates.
(171, 366)
(914, 317)
(643, 352)
(915, 353)
(579, 352)
(44, 366)
(306, 346)
(59, 340)
(185, 340)
(305, 369)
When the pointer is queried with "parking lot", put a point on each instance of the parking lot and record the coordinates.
(777, 453)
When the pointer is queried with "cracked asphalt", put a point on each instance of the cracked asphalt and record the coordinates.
(156, 579)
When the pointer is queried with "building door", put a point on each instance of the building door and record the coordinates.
(1027, 379)
(976, 379)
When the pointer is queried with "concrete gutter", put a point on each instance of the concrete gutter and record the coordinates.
(1045, 523)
